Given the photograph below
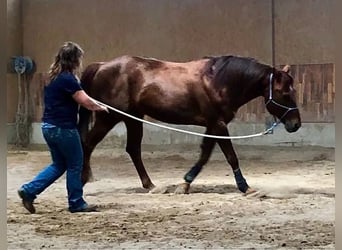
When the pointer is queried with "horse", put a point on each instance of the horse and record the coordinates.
(205, 92)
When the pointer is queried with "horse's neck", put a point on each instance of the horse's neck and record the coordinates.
(248, 93)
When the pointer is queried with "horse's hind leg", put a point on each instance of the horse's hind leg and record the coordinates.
(133, 148)
(207, 147)
(103, 124)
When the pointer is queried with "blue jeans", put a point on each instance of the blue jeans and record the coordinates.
(67, 155)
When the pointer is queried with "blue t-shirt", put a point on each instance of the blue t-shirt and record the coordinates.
(60, 109)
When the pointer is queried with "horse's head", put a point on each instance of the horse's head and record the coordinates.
(281, 100)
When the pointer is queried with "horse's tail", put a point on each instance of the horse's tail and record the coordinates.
(85, 115)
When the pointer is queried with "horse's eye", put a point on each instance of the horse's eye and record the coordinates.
(291, 91)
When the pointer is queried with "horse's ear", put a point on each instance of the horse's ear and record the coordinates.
(277, 75)
(286, 68)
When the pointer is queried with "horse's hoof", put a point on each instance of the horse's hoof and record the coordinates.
(149, 186)
(250, 191)
(158, 190)
(183, 188)
(87, 177)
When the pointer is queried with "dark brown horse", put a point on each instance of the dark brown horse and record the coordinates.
(205, 92)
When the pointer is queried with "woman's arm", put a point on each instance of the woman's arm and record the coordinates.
(83, 99)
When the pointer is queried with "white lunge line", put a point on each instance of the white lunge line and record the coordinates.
(186, 131)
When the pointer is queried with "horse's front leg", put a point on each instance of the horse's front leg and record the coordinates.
(133, 148)
(207, 147)
(229, 152)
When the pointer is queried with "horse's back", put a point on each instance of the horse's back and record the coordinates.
(145, 70)
(151, 64)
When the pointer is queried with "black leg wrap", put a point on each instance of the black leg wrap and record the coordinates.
(191, 175)
(240, 181)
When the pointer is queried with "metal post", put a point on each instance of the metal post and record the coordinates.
(273, 32)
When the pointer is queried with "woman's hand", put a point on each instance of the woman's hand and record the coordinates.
(86, 101)
(101, 108)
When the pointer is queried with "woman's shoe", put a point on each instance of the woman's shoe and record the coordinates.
(85, 209)
(28, 203)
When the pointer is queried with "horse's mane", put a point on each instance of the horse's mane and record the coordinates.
(235, 70)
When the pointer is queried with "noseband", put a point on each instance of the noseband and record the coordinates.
(270, 100)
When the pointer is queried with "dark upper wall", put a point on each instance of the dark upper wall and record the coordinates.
(173, 30)
(14, 27)
(14, 47)
(304, 31)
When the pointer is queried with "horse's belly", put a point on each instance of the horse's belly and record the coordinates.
(174, 116)
(171, 104)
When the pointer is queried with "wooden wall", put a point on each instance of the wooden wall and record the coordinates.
(315, 86)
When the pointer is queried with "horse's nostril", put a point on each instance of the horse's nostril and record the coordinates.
(292, 126)
(296, 126)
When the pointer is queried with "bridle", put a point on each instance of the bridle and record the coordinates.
(270, 100)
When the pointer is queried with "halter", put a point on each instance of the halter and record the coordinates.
(270, 100)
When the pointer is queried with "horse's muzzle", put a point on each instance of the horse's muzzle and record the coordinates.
(292, 125)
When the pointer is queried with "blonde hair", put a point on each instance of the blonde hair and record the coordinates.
(68, 58)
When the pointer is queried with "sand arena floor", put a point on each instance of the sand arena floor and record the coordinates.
(293, 209)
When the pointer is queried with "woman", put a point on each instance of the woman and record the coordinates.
(62, 96)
